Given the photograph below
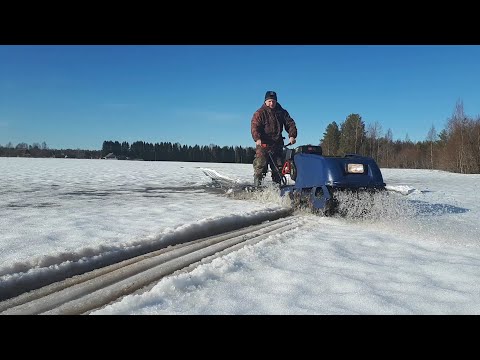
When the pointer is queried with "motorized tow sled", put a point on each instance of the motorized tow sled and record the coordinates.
(319, 179)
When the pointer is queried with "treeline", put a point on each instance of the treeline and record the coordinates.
(454, 149)
(37, 150)
(167, 151)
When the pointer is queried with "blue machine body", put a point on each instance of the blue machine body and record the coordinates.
(318, 177)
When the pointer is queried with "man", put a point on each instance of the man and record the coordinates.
(267, 125)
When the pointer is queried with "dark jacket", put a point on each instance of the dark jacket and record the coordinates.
(268, 124)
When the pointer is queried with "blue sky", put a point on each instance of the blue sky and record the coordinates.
(77, 96)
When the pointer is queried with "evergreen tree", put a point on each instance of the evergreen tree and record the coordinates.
(352, 134)
(331, 139)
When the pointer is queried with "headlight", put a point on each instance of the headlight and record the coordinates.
(355, 168)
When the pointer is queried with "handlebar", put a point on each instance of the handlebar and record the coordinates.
(284, 146)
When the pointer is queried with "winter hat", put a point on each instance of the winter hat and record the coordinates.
(271, 95)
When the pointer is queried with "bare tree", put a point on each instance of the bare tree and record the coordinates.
(457, 138)
(388, 145)
(476, 146)
(373, 135)
(431, 137)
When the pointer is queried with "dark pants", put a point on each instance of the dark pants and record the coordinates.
(261, 161)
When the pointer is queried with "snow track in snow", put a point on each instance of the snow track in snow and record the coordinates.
(89, 291)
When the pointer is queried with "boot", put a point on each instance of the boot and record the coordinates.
(257, 181)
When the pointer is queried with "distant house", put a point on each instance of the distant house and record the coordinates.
(110, 156)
